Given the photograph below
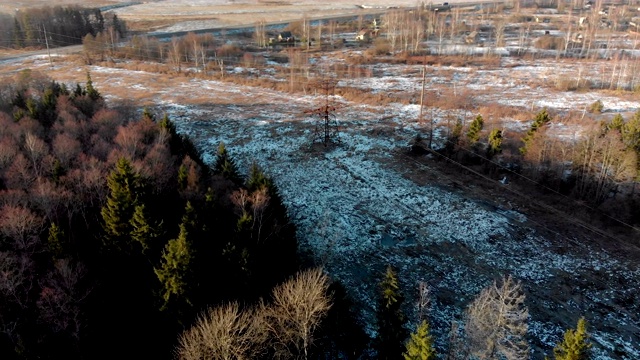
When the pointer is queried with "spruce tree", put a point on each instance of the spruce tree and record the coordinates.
(631, 132)
(542, 118)
(420, 345)
(474, 129)
(454, 137)
(79, 91)
(226, 167)
(143, 230)
(616, 123)
(257, 179)
(575, 345)
(55, 241)
(92, 93)
(182, 177)
(18, 34)
(391, 332)
(495, 142)
(124, 186)
(174, 270)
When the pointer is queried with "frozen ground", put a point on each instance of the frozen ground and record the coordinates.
(365, 204)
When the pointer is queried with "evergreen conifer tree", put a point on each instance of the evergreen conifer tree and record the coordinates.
(420, 345)
(541, 119)
(616, 123)
(143, 230)
(91, 91)
(55, 240)
(124, 186)
(257, 179)
(391, 332)
(18, 34)
(174, 270)
(474, 129)
(182, 177)
(226, 167)
(495, 142)
(454, 137)
(79, 91)
(575, 345)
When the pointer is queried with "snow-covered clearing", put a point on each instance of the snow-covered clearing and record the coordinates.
(357, 208)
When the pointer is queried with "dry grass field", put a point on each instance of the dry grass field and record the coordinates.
(159, 13)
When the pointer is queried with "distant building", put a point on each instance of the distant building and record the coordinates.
(364, 35)
(286, 36)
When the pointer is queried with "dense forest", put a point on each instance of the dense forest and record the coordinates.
(113, 233)
(57, 26)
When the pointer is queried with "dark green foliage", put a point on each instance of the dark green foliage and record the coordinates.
(596, 107)
(420, 344)
(18, 34)
(92, 93)
(541, 119)
(473, 134)
(631, 132)
(616, 123)
(575, 345)
(143, 230)
(180, 145)
(64, 26)
(79, 91)
(124, 186)
(57, 171)
(55, 241)
(495, 142)
(391, 332)
(182, 177)
(453, 138)
(148, 115)
(341, 335)
(174, 270)
(226, 167)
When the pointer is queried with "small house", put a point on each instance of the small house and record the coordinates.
(364, 35)
(471, 38)
(286, 36)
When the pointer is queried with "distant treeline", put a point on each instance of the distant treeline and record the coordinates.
(63, 26)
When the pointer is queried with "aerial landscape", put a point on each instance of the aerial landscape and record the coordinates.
(261, 179)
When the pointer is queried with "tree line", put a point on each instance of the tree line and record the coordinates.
(600, 165)
(57, 26)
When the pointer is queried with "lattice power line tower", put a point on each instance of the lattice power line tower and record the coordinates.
(326, 131)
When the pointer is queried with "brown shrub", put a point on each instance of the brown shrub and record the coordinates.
(549, 42)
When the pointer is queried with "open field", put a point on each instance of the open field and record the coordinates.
(215, 13)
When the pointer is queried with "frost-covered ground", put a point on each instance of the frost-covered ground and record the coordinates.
(365, 204)
(357, 213)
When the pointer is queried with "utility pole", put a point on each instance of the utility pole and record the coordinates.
(327, 130)
(46, 41)
(424, 79)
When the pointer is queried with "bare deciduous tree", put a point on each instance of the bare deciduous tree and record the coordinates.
(66, 148)
(61, 297)
(497, 322)
(297, 309)
(225, 332)
(16, 277)
(21, 225)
